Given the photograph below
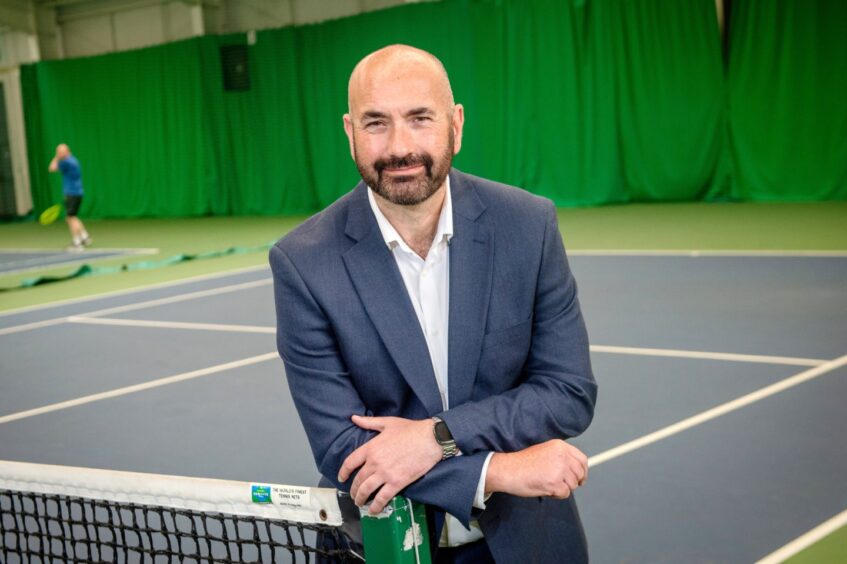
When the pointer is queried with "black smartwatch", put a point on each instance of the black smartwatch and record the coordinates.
(444, 439)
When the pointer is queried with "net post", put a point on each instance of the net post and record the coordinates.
(397, 535)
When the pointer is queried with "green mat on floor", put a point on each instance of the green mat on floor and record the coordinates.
(89, 270)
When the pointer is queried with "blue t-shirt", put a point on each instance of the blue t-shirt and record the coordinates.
(71, 176)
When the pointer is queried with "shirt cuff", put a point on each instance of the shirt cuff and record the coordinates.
(480, 498)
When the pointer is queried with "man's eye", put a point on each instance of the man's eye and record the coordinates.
(374, 124)
(421, 119)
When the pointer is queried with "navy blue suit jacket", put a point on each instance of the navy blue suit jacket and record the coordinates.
(518, 362)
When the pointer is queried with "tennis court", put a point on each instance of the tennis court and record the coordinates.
(152, 152)
(722, 378)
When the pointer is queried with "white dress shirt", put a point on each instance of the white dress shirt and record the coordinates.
(428, 283)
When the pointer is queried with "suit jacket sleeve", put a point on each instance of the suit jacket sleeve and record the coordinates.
(556, 396)
(326, 398)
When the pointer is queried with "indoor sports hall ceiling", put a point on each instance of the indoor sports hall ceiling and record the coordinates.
(74, 28)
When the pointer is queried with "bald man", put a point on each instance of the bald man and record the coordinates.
(63, 161)
(431, 333)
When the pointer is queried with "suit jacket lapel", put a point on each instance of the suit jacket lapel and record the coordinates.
(471, 263)
(380, 287)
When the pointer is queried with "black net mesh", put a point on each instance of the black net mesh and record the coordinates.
(57, 528)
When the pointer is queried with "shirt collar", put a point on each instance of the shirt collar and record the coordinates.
(445, 222)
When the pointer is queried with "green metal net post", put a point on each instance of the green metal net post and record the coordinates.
(397, 535)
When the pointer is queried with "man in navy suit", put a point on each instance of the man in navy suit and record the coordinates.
(431, 333)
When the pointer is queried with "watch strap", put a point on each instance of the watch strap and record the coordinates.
(448, 446)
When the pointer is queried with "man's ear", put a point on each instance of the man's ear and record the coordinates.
(457, 124)
(348, 129)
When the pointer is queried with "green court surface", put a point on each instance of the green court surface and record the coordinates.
(830, 549)
(666, 226)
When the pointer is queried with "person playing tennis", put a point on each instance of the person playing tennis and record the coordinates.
(68, 165)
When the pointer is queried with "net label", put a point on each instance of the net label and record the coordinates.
(291, 495)
(260, 494)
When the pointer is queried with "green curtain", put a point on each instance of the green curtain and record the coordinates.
(667, 77)
(257, 135)
(583, 101)
(136, 122)
(787, 91)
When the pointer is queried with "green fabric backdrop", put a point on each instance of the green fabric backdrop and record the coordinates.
(788, 99)
(583, 101)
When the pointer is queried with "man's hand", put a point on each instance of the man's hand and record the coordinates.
(553, 469)
(403, 451)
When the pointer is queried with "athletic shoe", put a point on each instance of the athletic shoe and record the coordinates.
(74, 248)
(87, 241)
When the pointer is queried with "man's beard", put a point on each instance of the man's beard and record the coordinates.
(413, 189)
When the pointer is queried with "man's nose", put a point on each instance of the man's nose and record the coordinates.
(401, 142)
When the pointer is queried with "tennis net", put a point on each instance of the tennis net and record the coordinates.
(67, 514)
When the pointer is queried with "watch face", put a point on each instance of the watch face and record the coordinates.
(442, 433)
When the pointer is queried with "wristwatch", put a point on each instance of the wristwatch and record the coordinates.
(444, 439)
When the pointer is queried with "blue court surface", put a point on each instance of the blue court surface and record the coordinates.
(718, 434)
(25, 260)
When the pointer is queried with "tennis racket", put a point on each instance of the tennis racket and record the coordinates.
(50, 215)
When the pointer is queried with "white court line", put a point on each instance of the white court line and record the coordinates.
(90, 319)
(138, 387)
(585, 252)
(58, 251)
(703, 253)
(139, 305)
(180, 298)
(142, 288)
(709, 355)
(806, 540)
(722, 409)
(78, 257)
(171, 325)
(733, 357)
(33, 325)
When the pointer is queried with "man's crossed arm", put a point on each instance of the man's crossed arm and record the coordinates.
(523, 426)
(404, 450)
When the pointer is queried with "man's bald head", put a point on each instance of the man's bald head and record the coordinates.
(62, 150)
(403, 125)
(395, 63)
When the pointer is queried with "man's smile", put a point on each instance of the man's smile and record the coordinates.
(404, 171)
